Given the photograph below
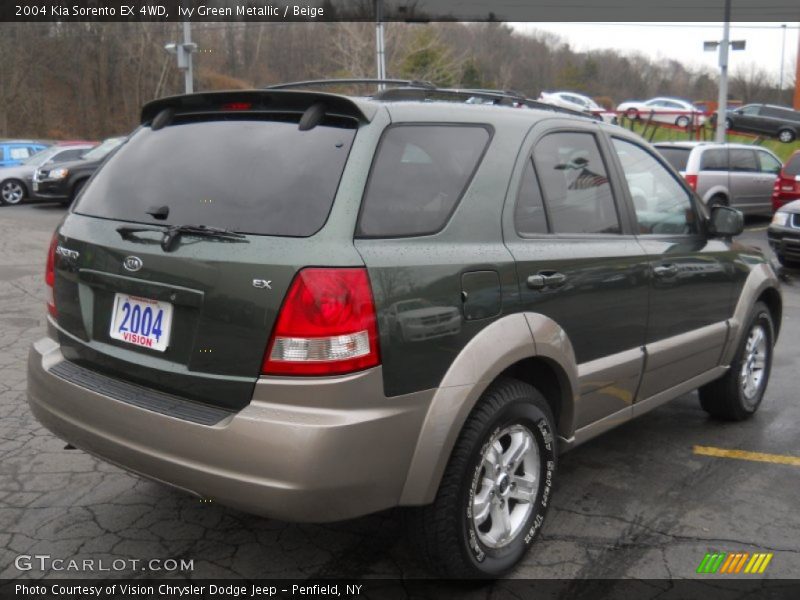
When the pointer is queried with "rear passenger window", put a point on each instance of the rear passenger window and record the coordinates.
(418, 176)
(714, 160)
(662, 205)
(743, 160)
(575, 184)
(529, 215)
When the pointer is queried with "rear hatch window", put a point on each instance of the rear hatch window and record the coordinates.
(250, 176)
(792, 166)
(677, 157)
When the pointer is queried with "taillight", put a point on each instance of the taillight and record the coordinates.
(692, 181)
(326, 325)
(50, 276)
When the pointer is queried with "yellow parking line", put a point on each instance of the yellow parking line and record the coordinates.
(779, 459)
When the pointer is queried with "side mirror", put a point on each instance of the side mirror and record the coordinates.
(725, 222)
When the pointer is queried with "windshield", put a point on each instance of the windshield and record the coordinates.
(41, 157)
(100, 151)
(250, 176)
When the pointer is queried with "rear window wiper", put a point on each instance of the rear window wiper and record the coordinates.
(171, 233)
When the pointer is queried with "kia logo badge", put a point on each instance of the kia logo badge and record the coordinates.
(132, 263)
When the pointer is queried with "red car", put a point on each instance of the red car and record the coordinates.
(787, 185)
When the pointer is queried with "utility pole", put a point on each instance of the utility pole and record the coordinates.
(380, 48)
(722, 100)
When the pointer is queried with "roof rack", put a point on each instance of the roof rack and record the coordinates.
(357, 81)
(411, 90)
(495, 97)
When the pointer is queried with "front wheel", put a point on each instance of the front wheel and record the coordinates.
(11, 192)
(496, 488)
(737, 395)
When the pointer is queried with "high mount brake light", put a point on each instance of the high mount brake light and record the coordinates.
(326, 325)
(50, 276)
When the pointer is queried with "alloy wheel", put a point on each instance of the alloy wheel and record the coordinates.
(12, 192)
(503, 495)
(754, 362)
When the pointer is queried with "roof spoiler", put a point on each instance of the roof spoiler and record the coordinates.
(259, 101)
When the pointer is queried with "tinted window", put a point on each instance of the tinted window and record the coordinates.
(677, 157)
(792, 167)
(714, 159)
(743, 160)
(662, 205)
(418, 176)
(529, 215)
(768, 163)
(69, 155)
(261, 177)
(575, 184)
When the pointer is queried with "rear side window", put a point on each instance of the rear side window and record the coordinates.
(251, 176)
(792, 166)
(529, 214)
(418, 176)
(715, 159)
(575, 184)
(768, 163)
(743, 160)
(677, 157)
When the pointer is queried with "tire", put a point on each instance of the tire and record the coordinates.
(682, 122)
(453, 539)
(786, 136)
(12, 192)
(737, 395)
(632, 114)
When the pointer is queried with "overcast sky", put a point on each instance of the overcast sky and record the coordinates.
(683, 41)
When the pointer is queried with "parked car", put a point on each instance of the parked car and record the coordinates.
(765, 119)
(418, 319)
(16, 183)
(577, 102)
(63, 182)
(737, 175)
(217, 295)
(664, 110)
(15, 152)
(787, 185)
(783, 234)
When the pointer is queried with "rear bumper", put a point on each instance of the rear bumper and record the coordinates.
(341, 450)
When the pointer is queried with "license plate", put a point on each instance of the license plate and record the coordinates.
(35, 186)
(141, 322)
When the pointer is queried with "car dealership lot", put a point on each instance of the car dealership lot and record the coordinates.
(636, 502)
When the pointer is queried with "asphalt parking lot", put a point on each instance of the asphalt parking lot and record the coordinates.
(636, 502)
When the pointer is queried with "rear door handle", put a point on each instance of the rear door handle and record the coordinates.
(662, 271)
(546, 279)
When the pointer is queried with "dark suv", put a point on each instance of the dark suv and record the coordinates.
(765, 119)
(314, 306)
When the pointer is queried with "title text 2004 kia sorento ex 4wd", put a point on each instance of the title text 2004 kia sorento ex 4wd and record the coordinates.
(314, 306)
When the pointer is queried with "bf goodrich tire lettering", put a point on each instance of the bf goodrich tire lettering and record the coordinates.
(456, 540)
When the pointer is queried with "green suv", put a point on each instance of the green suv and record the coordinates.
(314, 306)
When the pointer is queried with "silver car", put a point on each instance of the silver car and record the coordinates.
(737, 175)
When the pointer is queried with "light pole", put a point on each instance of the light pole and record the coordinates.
(783, 59)
(380, 48)
(183, 53)
(722, 99)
